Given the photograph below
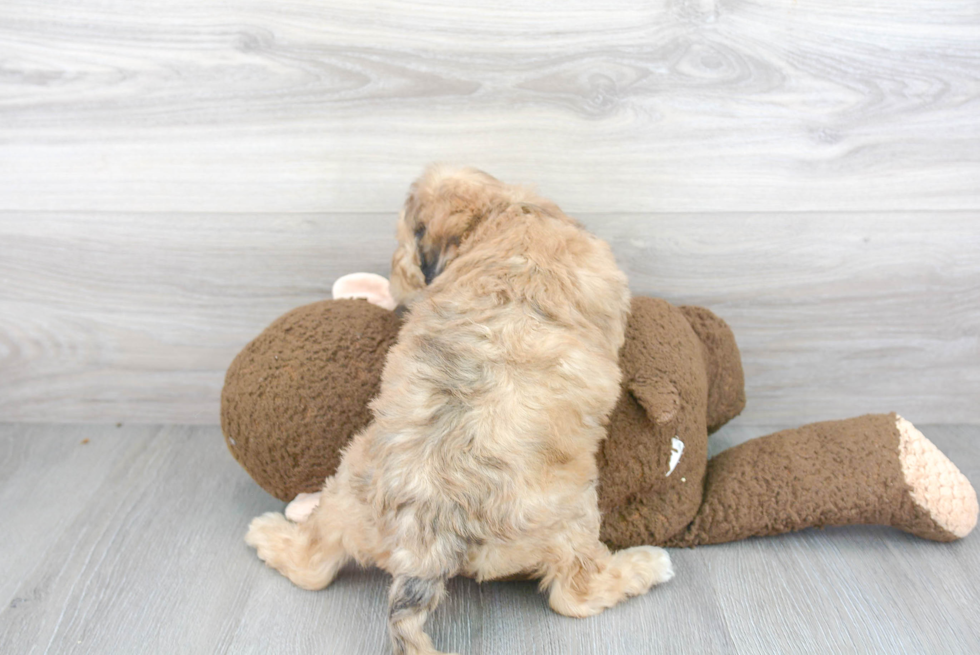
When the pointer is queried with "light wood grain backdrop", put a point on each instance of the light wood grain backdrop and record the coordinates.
(174, 175)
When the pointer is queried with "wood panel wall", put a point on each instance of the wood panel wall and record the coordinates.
(174, 175)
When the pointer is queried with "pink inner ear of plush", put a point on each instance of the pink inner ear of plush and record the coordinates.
(373, 288)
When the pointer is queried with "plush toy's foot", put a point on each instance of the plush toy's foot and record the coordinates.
(938, 490)
(300, 507)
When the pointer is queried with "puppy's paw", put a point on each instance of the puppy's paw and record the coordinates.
(643, 567)
(270, 536)
(297, 550)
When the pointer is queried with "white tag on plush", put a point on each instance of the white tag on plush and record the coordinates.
(676, 450)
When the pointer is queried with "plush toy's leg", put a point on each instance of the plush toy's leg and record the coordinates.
(875, 469)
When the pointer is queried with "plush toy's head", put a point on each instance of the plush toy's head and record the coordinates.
(295, 395)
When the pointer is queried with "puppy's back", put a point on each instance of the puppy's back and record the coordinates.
(513, 348)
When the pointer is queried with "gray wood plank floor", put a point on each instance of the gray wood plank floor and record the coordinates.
(129, 540)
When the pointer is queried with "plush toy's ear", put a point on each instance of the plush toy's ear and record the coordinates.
(373, 288)
(658, 396)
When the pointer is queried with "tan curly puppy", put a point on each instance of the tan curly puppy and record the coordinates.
(481, 457)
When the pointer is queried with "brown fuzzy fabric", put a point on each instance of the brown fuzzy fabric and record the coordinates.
(295, 395)
(726, 381)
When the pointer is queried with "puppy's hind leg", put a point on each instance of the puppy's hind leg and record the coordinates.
(590, 580)
(410, 600)
(310, 553)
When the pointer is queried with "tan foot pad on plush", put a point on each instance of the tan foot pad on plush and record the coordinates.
(937, 485)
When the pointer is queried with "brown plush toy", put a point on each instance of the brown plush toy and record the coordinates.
(298, 392)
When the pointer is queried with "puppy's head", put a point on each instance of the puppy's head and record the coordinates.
(442, 210)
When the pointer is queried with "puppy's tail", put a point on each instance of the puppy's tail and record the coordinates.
(297, 550)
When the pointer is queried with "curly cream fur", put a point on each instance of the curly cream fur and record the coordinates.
(481, 457)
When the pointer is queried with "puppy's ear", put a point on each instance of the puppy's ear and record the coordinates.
(407, 279)
(428, 247)
(443, 208)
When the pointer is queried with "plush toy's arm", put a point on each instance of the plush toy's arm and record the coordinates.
(662, 359)
(657, 396)
(875, 469)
